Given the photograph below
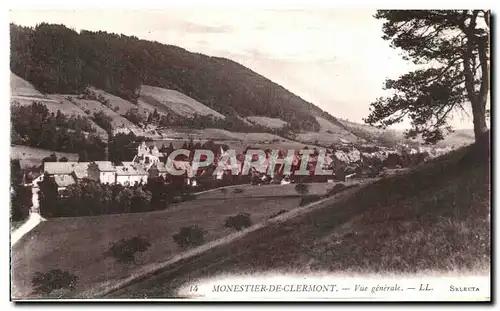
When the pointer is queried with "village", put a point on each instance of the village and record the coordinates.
(346, 160)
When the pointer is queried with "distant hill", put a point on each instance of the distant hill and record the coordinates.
(118, 73)
(458, 138)
(59, 60)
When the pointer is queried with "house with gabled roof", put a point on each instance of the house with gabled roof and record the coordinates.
(64, 181)
(59, 168)
(106, 170)
(128, 175)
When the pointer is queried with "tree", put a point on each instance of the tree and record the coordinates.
(140, 201)
(125, 250)
(160, 194)
(51, 158)
(238, 222)
(20, 202)
(302, 189)
(20, 198)
(124, 200)
(134, 116)
(454, 44)
(104, 121)
(123, 147)
(48, 196)
(189, 236)
(83, 156)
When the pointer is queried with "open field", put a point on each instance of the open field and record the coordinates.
(365, 127)
(168, 101)
(121, 105)
(52, 102)
(435, 218)
(57, 102)
(235, 140)
(267, 122)
(250, 191)
(35, 155)
(165, 100)
(325, 139)
(94, 106)
(329, 133)
(19, 86)
(78, 244)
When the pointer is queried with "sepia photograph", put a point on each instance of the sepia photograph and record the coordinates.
(250, 154)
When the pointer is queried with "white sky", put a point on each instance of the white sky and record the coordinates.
(334, 58)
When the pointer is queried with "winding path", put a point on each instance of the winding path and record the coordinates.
(29, 225)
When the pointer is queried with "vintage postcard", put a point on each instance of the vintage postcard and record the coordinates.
(214, 154)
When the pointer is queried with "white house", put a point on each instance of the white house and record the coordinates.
(60, 168)
(107, 171)
(102, 171)
(128, 175)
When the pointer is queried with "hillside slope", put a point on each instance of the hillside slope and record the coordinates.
(435, 219)
(172, 101)
(30, 156)
(129, 71)
(329, 133)
(82, 242)
(56, 59)
(21, 87)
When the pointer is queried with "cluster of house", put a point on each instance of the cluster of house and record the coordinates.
(67, 173)
(148, 164)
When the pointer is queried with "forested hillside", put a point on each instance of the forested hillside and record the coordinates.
(56, 59)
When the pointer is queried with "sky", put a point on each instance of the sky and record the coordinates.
(334, 58)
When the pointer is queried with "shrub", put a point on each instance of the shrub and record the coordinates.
(239, 221)
(309, 199)
(278, 213)
(45, 283)
(302, 189)
(189, 236)
(238, 190)
(125, 250)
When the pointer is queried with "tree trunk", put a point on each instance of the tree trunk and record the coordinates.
(479, 118)
(477, 99)
(482, 144)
